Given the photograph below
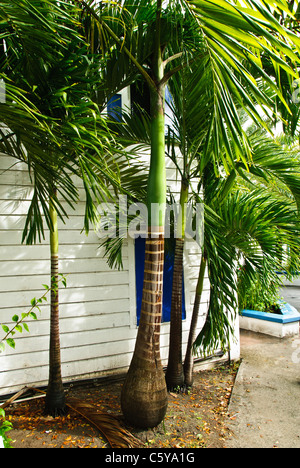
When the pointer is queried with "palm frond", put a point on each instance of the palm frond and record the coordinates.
(247, 229)
(49, 119)
(109, 426)
(237, 38)
(279, 163)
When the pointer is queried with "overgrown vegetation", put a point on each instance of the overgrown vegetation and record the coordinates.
(260, 296)
(5, 427)
(246, 58)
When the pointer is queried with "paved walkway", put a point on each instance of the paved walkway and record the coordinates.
(264, 410)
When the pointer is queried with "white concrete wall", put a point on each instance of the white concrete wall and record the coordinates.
(280, 330)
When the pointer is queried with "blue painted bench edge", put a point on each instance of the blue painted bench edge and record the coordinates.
(288, 314)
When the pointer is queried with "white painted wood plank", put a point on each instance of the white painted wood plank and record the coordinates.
(16, 269)
(12, 382)
(113, 332)
(69, 295)
(103, 366)
(29, 282)
(77, 354)
(19, 207)
(75, 338)
(71, 310)
(15, 178)
(193, 284)
(17, 223)
(82, 330)
(15, 192)
(8, 161)
(16, 186)
(66, 237)
(11, 223)
(42, 251)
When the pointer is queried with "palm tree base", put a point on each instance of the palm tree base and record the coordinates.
(175, 380)
(55, 404)
(144, 398)
(189, 377)
(56, 412)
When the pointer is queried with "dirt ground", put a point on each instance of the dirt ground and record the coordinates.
(196, 419)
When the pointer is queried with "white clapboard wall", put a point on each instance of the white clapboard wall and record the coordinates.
(98, 307)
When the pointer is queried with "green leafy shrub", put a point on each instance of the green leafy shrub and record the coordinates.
(5, 426)
(261, 295)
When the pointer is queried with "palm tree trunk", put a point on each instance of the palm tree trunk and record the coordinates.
(189, 360)
(175, 374)
(144, 395)
(144, 398)
(55, 397)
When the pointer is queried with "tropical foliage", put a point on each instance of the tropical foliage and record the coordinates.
(5, 427)
(57, 130)
(255, 219)
(220, 57)
(229, 45)
(20, 323)
(60, 111)
(156, 49)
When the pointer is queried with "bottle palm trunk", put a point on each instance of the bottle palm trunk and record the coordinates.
(55, 397)
(144, 396)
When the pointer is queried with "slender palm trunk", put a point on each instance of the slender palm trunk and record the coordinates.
(144, 396)
(189, 360)
(175, 374)
(55, 397)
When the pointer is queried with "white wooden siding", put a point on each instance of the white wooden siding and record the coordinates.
(97, 309)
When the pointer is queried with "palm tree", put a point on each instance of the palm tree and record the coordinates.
(188, 87)
(149, 27)
(249, 213)
(145, 377)
(53, 126)
(190, 142)
(159, 39)
(251, 218)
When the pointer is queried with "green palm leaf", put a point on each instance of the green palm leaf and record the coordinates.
(50, 121)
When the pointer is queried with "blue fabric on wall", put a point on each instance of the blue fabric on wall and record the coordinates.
(168, 281)
(114, 107)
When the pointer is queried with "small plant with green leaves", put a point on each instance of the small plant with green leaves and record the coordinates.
(19, 321)
(5, 426)
(262, 296)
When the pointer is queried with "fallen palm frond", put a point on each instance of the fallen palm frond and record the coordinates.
(109, 425)
(13, 398)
